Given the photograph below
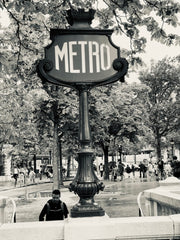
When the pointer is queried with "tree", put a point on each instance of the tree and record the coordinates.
(116, 118)
(16, 119)
(56, 118)
(162, 99)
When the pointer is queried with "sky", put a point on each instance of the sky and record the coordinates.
(153, 51)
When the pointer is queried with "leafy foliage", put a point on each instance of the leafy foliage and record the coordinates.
(32, 20)
(118, 117)
(162, 99)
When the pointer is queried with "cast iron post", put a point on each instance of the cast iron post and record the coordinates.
(86, 183)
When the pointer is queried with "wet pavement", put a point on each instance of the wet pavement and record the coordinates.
(7, 185)
(119, 199)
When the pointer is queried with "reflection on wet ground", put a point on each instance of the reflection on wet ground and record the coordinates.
(120, 199)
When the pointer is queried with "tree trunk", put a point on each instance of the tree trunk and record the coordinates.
(68, 166)
(56, 164)
(158, 145)
(106, 165)
(60, 163)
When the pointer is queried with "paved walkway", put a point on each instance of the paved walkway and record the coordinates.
(119, 199)
(7, 185)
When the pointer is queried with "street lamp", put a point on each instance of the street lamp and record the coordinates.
(172, 147)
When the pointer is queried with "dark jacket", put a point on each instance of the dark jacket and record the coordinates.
(120, 169)
(54, 211)
(128, 169)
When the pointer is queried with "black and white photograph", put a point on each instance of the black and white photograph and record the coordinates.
(89, 119)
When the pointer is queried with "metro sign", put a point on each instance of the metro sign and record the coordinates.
(85, 56)
(82, 56)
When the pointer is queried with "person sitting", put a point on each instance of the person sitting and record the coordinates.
(54, 209)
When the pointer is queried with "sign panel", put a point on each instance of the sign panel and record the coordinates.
(81, 58)
(82, 55)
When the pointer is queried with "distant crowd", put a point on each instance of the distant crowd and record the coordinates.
(24, 175)
(153, 171)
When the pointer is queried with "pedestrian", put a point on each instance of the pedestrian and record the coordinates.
(133, 170)
(101, 169)
(46, 171)
(50, 175)
(167, 169)
(114, 173)
(32, 176)
(128, 170)
(25, 175)
(15, 175)
(40, 173)
(142, 170)
(161, 169)
(150, 170)
(156, 171)
(64, 173)
(21, 176)
(54, 209)
(121, 170)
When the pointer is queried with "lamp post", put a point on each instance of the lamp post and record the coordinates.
(172, 148)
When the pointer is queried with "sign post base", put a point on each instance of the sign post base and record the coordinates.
(87, 211)
(86, 185)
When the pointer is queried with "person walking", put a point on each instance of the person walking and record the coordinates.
(133, 170)
(121, 170)
(15, 175)
(150, 171)
(40, 173)
(167, 169)
(21, 176)
(114, 173)
(32, 176)
(142, 170)
(128, 170)
(101, 169)
(161, 169)
(26, 175)
(54, 209)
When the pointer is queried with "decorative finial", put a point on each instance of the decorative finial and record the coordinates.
(80, 18)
